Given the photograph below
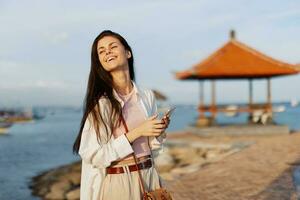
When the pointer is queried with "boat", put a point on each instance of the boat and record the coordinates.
(294, 103)
(231, 110)
(279, 108)
(4, 127)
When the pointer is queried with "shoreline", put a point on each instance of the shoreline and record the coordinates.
(184, 154)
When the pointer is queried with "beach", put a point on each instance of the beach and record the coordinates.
(261, 171)
(243, 167)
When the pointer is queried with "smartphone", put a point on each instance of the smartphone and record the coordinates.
(170, 111)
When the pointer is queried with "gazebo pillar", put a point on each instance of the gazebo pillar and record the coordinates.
(269, 97)
(202, 119)
(201, 106)
(250, 116)
(250, 93)
(213, 99)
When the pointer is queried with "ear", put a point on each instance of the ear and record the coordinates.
(128, 54)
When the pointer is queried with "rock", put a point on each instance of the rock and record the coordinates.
(76, 167)
(180, 151)
(166, 176)
(73, 177)
(54, 183)
(42, 191)
(186, 156)
(164, 162)
(73, 194)
(185, 170)
(53, 195)
(210, 154)
(58, 190)
(190, 160)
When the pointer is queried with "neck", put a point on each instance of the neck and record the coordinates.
(121, 81)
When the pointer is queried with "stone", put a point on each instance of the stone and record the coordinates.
(73, 194)
(164, 162)
(58, 189)
(212, 154)
(189, 160)
(54, 195)
(166, 176)
(73, 177)
(186, 170)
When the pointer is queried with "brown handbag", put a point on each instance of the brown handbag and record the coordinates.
(157, 194)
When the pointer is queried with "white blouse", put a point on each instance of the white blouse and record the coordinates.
(97, 156)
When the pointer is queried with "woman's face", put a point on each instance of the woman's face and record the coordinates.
(112, 54)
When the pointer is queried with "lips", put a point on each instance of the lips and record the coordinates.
(110, 58)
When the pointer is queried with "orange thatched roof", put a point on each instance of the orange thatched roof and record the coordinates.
(236, 60)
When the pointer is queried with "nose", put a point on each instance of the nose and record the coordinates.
(107, 51)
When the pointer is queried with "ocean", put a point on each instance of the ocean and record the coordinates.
(31, 148)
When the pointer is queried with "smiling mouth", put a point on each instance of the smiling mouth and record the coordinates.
(111, 59)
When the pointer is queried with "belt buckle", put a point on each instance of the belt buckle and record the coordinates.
(143, 165)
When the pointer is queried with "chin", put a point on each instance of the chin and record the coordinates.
(113, 68)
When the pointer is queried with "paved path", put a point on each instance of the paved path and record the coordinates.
(261, 172)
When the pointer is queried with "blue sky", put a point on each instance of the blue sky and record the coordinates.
(45, 45)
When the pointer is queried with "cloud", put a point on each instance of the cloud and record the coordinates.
(284, 14)
(15, 74)
(56, 37)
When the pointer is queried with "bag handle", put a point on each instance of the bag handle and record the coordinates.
(135, 160)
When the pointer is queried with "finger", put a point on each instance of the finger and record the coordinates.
(153, 134)
(166, 123)
(158, 121)
(159, 126)
(156, 130)
(166, 119)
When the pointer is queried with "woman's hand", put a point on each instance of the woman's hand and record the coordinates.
(151, 127)
(166, 120)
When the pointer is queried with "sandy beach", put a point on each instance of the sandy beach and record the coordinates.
(261, 171)
(243, 167)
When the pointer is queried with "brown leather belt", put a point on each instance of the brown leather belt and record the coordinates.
(120, 170)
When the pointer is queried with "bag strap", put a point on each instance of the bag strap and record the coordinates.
(135, 161)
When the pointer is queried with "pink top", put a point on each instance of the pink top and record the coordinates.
(134, 116)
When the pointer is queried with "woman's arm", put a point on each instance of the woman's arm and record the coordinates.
(101, 155)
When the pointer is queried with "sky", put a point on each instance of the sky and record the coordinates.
(46, 45)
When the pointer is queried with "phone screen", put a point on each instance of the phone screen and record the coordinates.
(170, 111)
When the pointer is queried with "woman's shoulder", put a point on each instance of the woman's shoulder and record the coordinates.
(144, 91)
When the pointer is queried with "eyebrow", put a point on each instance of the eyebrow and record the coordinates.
(108, 45)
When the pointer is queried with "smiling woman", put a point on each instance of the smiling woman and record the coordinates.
(119, 127)
(112, 54)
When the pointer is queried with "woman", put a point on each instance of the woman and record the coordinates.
(108, 167)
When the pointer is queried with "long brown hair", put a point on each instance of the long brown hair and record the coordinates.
(100, 84)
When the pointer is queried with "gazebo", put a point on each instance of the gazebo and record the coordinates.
(236, 61)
